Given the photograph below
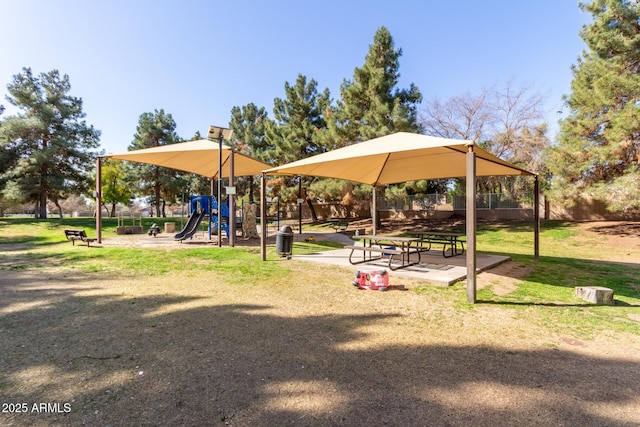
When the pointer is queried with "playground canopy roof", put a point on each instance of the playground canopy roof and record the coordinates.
(399, 157)
(199, 157)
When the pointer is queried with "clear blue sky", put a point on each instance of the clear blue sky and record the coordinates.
(198, 59)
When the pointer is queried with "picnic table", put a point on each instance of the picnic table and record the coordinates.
(452, 243)
(386, 246)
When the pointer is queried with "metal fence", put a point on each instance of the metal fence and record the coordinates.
(496, 201)
(422, 202)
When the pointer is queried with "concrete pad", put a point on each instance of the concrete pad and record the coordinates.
(433, 267)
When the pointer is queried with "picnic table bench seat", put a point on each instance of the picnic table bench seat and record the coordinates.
(389, 252)
(452, 243)
(81, 235)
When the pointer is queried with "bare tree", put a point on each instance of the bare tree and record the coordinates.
(74, 203)
(518, 114)
(459, 117)
(508, 121)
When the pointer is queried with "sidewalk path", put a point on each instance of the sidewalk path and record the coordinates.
(433, 268)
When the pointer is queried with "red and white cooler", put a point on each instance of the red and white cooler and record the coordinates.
(372, 280)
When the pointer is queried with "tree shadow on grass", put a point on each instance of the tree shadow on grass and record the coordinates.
(165, 360)
(19, 243)
(618, 229)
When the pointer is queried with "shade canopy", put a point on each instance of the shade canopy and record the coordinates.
(399, 157)
(402, 157)
(199, 157)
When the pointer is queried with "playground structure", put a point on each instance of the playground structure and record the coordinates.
(201, 207)
(129, 229)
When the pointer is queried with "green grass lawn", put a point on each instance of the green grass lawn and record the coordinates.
(570, 257)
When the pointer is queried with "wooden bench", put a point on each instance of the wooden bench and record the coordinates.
(390, 252)
(74, 235)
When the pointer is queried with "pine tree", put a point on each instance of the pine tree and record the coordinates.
(297, 118)
(371, 105)
(153, 130)
(248, 125)
(599, 142)
(294, 132)
(47, 149)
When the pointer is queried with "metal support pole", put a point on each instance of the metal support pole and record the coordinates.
(220, 190)
(232, 204)
(212, 184)
(471, 225)
(536, 219)
(374, 213)
(263, 217)
(300, 205)
(98, 200)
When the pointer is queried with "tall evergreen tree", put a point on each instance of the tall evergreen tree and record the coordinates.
(47, 149)
(294, 131)
(153, 130)
(599, 142)
(248, 125)
(297, 118)
(371, 105)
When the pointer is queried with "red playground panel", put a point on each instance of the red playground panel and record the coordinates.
(372, 280)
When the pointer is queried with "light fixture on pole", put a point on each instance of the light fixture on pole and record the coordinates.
(220, 134)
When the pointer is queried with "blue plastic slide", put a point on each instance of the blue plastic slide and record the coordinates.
(191, 227)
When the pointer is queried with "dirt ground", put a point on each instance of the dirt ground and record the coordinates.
(82, 349)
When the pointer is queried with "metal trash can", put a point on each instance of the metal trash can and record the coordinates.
(284, 241)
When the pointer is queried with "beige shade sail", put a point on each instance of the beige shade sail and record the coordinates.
(402, 157)
(399, 157)
(199, 157)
